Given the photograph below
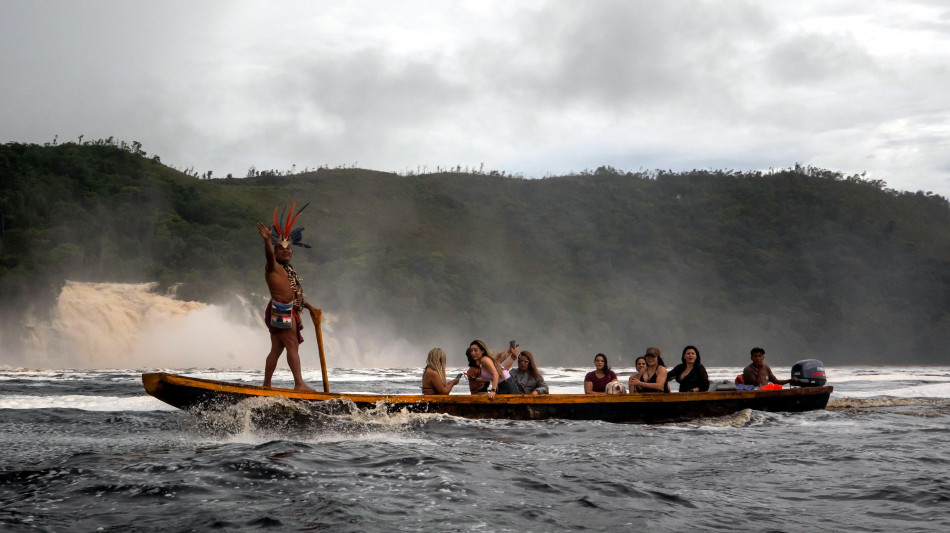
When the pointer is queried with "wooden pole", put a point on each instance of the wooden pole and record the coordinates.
(317, 317)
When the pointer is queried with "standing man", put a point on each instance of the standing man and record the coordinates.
(283, 311)
(759, 373)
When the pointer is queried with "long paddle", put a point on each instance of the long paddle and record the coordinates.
(317, 316)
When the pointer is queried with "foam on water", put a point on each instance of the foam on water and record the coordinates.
(878, 401)
(261, 420)
(85, 403)
(934, 390)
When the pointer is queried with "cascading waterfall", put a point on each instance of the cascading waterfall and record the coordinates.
(122, 325)
(129, 325)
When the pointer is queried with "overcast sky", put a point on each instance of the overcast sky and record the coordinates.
(535, 88)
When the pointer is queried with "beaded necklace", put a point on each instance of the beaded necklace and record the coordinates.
(294, 286)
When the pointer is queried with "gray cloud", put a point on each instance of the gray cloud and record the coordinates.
(538, 88)
(632, 54)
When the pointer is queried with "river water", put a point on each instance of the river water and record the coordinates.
(88, 450)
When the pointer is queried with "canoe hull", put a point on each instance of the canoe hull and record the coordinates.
(194, 393)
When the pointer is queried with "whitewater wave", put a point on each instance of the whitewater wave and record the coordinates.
(84, 403)
(870, 403)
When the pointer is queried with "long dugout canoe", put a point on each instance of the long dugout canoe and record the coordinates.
(194, 393)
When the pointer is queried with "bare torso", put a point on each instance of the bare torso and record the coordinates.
(277, 278)
(278, 283)
(281, 290)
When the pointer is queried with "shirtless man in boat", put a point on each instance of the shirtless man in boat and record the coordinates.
(283, 311)
(758, 373)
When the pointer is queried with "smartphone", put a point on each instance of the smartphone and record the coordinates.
(512, 344)
(460, 375)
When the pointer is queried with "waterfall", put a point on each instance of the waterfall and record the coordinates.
(127, 325)
(122, 325)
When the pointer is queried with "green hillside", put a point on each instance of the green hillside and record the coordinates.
(806, 262)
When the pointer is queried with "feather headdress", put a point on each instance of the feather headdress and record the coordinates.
(284, 235)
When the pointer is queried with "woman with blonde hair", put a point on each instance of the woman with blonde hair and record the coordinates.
(433, 378)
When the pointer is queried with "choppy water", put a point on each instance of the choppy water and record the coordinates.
(89, 450)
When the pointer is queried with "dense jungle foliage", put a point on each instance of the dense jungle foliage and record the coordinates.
(805, 262)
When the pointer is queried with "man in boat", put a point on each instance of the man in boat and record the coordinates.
(282, 315)
(758, 373)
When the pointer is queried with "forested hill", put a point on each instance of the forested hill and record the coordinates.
(806, 262)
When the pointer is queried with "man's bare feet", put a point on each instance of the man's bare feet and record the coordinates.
(303, 387)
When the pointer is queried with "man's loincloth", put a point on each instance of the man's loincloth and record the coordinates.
(276, 331)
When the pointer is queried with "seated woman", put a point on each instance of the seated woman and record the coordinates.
(488, 369)
(653, 377)
(433, 378)
(527, 377)
(690, 374)
(596, 382)
(641, 365)
(476, 385)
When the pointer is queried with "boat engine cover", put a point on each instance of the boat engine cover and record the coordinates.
(810, 373)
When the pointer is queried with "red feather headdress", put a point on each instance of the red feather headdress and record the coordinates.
(284, 235)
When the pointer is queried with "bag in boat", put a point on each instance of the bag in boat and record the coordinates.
(281, 315)
(615, 387)
(770, 386)
(723, 384)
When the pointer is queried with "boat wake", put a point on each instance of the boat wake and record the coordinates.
(865, 403)
(737, 420)
(921, 407)
(280, 417)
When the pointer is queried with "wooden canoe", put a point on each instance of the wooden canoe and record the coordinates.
(195, 393)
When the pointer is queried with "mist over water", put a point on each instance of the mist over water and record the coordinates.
(121, 325)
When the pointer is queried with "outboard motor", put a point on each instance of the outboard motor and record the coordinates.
(810, 373)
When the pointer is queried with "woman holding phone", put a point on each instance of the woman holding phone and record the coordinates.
(527, 376)
(433, 378)
(509, 356)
